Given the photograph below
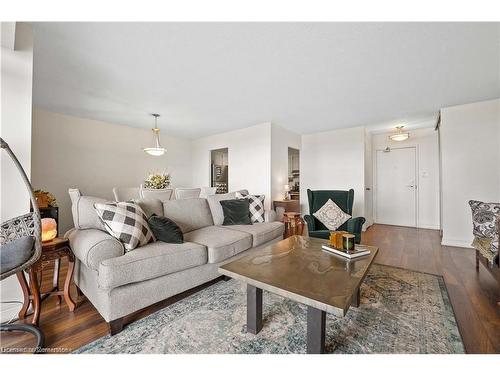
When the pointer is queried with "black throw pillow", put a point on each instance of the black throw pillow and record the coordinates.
(236, 212)
(165, 230)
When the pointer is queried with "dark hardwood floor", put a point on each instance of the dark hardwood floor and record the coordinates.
(473, 295)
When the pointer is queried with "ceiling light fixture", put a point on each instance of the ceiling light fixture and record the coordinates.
(399, 136)
(157, 150)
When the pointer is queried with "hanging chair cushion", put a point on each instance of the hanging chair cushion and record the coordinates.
(16, 253)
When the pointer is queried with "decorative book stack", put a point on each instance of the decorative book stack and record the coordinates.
(357, 252)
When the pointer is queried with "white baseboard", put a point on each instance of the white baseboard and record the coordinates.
(366, 225)
(428, 226)
(455, 243)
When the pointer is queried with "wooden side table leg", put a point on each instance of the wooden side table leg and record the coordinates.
(55, 279)
(35, 291)
(67, 284)
(26, 294)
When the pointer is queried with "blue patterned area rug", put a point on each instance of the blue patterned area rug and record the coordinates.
(401, 312)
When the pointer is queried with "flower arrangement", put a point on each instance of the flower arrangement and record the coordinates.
(45, 199)
(157, 181)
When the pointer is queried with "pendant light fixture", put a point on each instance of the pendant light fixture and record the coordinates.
(156, 150)
(399, 136)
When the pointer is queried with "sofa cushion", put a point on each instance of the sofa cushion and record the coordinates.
(150, 206)
(150, 261)
(188, 214)
(84, 214)
(262, 232)
(222, 243)
(216, 208)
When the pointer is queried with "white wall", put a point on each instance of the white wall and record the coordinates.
(426, 142)
(249, 157)
(281, 140)
(72, 152)
(334, 160)
(470, 161)
(15, 129)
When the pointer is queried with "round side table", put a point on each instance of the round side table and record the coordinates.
(294, 225)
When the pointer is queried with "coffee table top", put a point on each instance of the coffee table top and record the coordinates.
(298, 269)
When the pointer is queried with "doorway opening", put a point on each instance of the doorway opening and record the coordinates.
(293, 174)
(219, 170)
(396, 186)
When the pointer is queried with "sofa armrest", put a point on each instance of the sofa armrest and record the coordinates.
(310, 223)
(355, 226)
(269, 215)
(92, 246)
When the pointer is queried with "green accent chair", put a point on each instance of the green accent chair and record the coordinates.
(343, 199)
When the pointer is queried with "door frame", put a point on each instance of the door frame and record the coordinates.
(375, 185)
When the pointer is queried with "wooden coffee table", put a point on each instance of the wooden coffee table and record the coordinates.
(298, 269)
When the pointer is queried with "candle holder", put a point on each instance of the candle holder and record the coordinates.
(348, 241)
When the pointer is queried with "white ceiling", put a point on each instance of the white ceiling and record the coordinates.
(207, 78)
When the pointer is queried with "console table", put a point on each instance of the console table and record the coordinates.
(290, 205)
(52, 251)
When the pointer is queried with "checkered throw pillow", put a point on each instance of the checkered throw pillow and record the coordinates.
(126, 222)
(256, 203)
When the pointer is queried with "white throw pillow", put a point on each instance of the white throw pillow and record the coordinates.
(256, 206)
(331, 215)
(126, 222)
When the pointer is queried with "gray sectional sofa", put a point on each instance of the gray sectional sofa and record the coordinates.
(119, 283)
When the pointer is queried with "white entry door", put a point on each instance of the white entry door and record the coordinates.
(396, 189)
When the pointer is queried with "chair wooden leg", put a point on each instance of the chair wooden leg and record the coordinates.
(115, 326)
(477, 261)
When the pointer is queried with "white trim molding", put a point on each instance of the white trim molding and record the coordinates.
(455, 243)
(428, 226)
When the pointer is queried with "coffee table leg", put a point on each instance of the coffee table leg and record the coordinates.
(316, 322)
(254, 309)
(356, 298)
